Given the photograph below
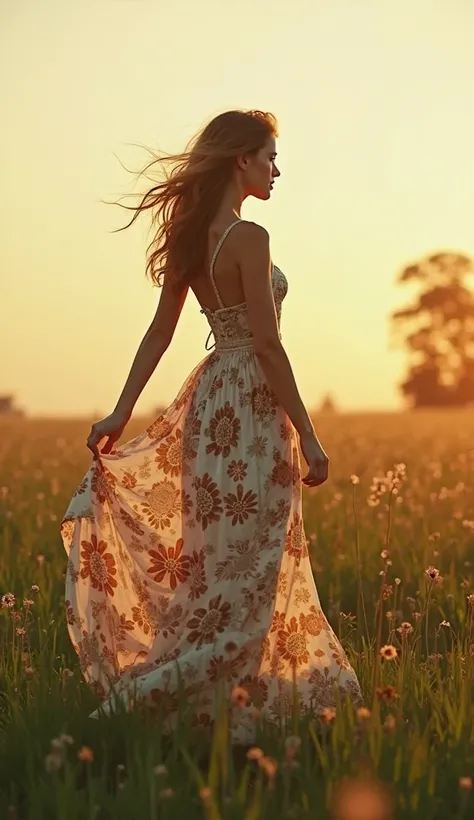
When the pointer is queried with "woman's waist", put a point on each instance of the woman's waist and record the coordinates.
(229, 344)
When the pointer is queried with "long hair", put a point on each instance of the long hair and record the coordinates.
(183, 204)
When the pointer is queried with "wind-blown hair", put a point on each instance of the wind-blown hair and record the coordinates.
(183, 204)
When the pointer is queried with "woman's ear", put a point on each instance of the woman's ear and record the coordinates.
(242, 162)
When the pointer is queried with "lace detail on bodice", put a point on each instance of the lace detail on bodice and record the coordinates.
(230, 325)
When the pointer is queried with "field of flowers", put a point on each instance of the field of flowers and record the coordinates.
(391, 536)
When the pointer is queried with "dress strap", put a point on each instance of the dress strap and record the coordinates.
(214, 257)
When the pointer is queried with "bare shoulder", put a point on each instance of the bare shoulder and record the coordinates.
(250, 232)
(253, 247)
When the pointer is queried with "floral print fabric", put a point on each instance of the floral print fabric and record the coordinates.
(188, 562)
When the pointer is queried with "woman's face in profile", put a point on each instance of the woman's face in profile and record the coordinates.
(261, 171)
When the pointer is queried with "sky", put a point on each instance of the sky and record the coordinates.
(375, 102)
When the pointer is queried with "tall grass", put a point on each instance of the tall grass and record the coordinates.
(391, 538)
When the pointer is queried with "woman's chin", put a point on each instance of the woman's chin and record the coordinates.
(266, 194)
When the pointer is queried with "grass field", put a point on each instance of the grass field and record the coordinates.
(372, 542)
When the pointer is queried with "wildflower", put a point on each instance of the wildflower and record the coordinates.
(432, 573)
(386, 693)
(398, 581)
(121, 776)
(292, 746)
(160, 770)
(35, 589)
(8, 600)
(363, 713)
(269, 766)
(55, 759)
(465, 783)
(254, 753)
(385, 554)
(355, 479)
(470, 599)
(390, 723)
(165, 794)
(20, 631)
(86, 754)
(240, 697)
(205, 794)
(387, 591)
(30, 671)
(417, 616)
(400, 472)
(391, 483)
(328, 714)
(378, 488)
(59, 743)
(436, 656)
(405, 628)
(53, 762)
(28, 603)
(388, 652)
(390, 615)
(445, 623)
(358, 797)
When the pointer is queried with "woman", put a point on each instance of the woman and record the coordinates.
(188, 562)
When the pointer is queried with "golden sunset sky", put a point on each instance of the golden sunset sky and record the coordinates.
(375, 100)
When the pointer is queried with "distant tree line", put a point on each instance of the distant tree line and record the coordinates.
(437, 330)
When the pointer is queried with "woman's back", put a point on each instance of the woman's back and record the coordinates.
(226, 269)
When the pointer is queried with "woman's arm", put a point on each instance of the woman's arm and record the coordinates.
(256, 270)
(152, 347)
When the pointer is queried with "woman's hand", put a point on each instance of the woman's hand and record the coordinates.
(112, 426)
(318, 461)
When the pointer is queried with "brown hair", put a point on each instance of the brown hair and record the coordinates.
(184, 204)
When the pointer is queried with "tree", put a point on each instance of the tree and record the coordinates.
(438, 330)
(328, 405)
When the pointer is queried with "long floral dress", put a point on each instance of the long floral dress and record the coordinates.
(188, 561)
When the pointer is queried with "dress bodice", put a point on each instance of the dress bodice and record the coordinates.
(230, 325)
